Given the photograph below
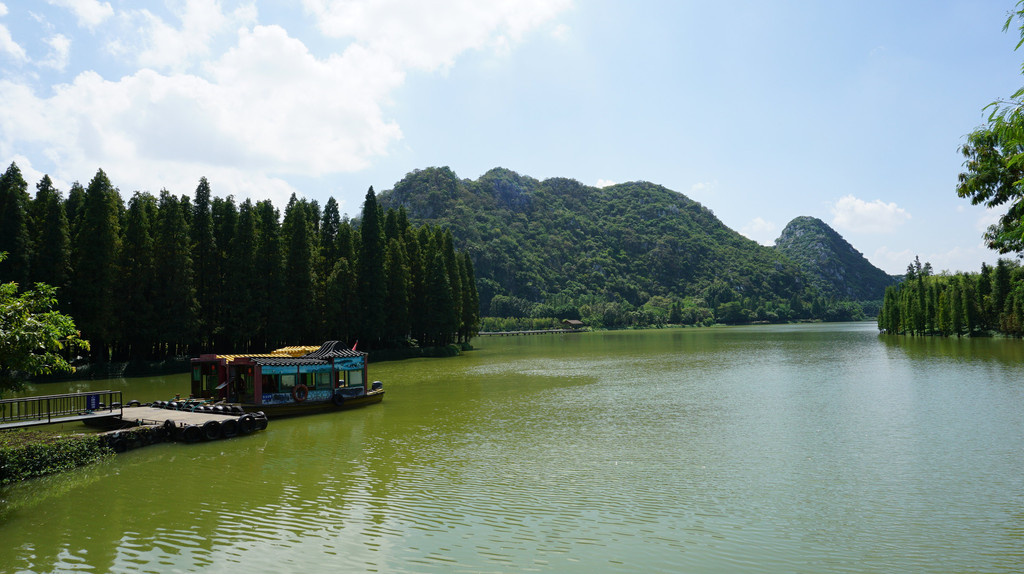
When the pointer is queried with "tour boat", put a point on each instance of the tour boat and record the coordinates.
(288, 381)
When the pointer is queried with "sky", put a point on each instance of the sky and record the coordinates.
(763, 111)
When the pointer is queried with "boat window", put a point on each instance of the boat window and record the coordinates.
(323, 381)
(288, 382)
(270, 384)
(355, 378)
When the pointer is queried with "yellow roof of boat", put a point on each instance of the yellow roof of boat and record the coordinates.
(293, 351)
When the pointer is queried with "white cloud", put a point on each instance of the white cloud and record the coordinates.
(954, 260)
(90, 13)
(893, 262)
(761, 231)
(151, 42)
(245, 105)
(268, 106)
(703, 188)
(7, 43)
(429, 35)
(561, 32)
(853, 214)
(604, 183)
(60, 49)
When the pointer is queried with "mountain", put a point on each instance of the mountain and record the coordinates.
(832, 264)
(608, 255)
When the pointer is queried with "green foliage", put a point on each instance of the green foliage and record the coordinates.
(961, 304)
(506, 324)
(370, 270)
(994, 164)
(15, 238)
(173, 293)
(560, 248)
(95, 257)
(32, 334)
(51, 263)
(178, 276)
(30, 454)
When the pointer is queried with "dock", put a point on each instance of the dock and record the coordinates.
(533, 332)
(135, 424)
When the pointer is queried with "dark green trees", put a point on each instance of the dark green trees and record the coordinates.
(14, 227)
(138, 316)
(207, 261)
(51, 263)
(370, 270)
(95, 256)
(174, 296)
(173, 276)
(298, 289)
(960, 304)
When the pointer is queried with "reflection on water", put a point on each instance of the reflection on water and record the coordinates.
(815, 448)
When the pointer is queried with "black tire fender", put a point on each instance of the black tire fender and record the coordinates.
(211, 430)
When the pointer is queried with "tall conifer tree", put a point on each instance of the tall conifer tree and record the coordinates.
(371, 271)
(95, 257)
(138, 317)
(269, 276)
(298, 288)
(205, 261)
(174, 294)
(243, 314)
(15, 237)
(52, 251)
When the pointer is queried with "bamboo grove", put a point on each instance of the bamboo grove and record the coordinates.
(991, 301)
(166, 275)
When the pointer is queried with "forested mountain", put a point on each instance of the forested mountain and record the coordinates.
(631, 253)
(831, 264)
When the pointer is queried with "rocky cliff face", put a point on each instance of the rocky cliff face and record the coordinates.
(831, 263)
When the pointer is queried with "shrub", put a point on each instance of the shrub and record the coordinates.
(29, 454)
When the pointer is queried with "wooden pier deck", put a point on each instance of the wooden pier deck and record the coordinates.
(144, 415)
(533, 332)
(131, 424)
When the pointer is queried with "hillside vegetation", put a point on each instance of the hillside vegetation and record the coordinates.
(631, 253)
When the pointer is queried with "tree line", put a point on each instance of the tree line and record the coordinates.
(991, 301)
(167, 275)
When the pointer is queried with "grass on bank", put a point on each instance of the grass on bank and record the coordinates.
(32, 453)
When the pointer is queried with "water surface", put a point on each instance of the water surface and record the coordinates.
(812, 448)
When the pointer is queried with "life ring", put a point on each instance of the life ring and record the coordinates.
(300, 392)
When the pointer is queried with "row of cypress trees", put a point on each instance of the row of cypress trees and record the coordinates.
(956, 304)
(167, 275)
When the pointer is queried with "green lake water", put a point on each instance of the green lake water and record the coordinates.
(811, 448)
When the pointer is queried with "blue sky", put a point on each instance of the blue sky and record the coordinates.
(762, 111)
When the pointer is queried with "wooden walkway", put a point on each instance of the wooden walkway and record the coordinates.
(517, 333)
(52, 409)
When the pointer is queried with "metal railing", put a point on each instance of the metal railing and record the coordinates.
(53, 408)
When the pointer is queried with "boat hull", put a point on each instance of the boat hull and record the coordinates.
(313, 407)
